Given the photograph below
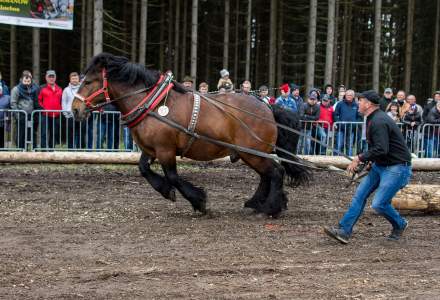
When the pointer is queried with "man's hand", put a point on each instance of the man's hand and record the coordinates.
(353, 165)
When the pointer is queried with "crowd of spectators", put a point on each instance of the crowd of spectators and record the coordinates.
(325, 114)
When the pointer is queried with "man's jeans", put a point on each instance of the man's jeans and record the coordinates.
(345, 141)
(386, 181)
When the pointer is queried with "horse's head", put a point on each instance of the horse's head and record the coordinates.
(94, 89)
(109, 77)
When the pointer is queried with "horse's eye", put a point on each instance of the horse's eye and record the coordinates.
(87, 82)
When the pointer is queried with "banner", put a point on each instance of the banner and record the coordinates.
(57, 14)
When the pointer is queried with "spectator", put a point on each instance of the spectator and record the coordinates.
(430, 105)
(5, 88)
(128, 139)
(393, 111)
(263, 95)
(188, 82)
(246, 87)
(108, 128)
(75, 131)
(284, 100)
(294, 90)
(346, 112)
(433, 138)
(5, 101)
(412, 120)
(326, 117)
(23, 97)
(225, 88)
(386, 99)
(225, 80)
(49, 98)
(203, 88)
(328, 90)
(401, 96)
(310, 112)
(410, 100)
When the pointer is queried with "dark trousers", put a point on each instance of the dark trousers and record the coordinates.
(108, 129)
(75, 134)
(2, 136)
(20, 131)
(50, 131)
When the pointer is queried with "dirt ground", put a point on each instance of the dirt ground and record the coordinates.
(101, 232)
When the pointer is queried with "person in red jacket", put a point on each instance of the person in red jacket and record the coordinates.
(326, 122)
(49, 98)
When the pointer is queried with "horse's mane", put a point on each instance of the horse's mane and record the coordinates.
(120, 69)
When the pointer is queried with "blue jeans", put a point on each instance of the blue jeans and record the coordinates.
(386, 181)
(128, 140)
(432, 147)
(50, 132)
(345, 141)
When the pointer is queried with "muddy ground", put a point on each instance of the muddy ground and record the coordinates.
(101, 232)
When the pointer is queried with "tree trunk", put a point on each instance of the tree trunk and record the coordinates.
(170, 36)
(36, 54)
(436, 46)
(344, 44)
(83, 35)
(248, 41)
(89, 29)
(418, 197)
(13, 56)
(184, 37)
(176, 37)
(143, 32)
(377, 38)
(273, 38)
(49, 49)
(97, 27)
(349, 57)
(237, 41)
(335, 45)
(226, 34)
(161, 36)
(330, 42)
(311, 48)
(194, 22)
(409, 44)
(134, 25)
(279, 43)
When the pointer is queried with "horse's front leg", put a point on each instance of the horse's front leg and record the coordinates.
(158, 182)
(196, 196)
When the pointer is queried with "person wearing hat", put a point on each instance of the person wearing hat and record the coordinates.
(309, 113)
(49, 98)
(285, 100)
(390, 171)
(225, 80)
(386, 99)
(294, 92)
(188, 82)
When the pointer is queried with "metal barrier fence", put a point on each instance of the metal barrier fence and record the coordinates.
(13, 130)
(55, 130)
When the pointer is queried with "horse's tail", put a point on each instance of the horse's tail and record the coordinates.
(288, 140)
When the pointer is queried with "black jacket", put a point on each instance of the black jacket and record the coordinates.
(409, 117)
(385, 140)
(309, 112)
(433, 116)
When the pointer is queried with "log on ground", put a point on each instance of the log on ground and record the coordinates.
(420, 197)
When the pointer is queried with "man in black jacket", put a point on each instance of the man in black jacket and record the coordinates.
(390, 171)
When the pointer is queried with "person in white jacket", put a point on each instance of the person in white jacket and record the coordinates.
(74, 130)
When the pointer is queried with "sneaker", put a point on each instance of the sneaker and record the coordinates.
(396, 234)
(337, 234)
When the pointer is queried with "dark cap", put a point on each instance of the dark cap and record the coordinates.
(188, 79)
(370, 95)
(436, 93)
(263, 88)
(293, 87)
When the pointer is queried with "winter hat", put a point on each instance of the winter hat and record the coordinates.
(313, 94)
(371, 96)
(284, 87)
(293, 87)
(224, 73)
(388, 91)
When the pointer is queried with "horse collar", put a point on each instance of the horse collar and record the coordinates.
(150, 101)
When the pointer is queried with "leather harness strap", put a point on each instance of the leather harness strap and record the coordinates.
(193, 123)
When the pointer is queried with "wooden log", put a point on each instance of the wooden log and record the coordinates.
(420, 197)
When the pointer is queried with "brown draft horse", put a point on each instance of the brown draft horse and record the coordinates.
(160, 141)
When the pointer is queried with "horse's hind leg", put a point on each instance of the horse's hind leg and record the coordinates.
(270, 195)
(158, 182)
(196, 196)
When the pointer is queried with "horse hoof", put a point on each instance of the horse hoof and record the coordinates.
(172, 195)
(248, 211)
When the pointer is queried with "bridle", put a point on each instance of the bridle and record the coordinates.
(103, 90)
